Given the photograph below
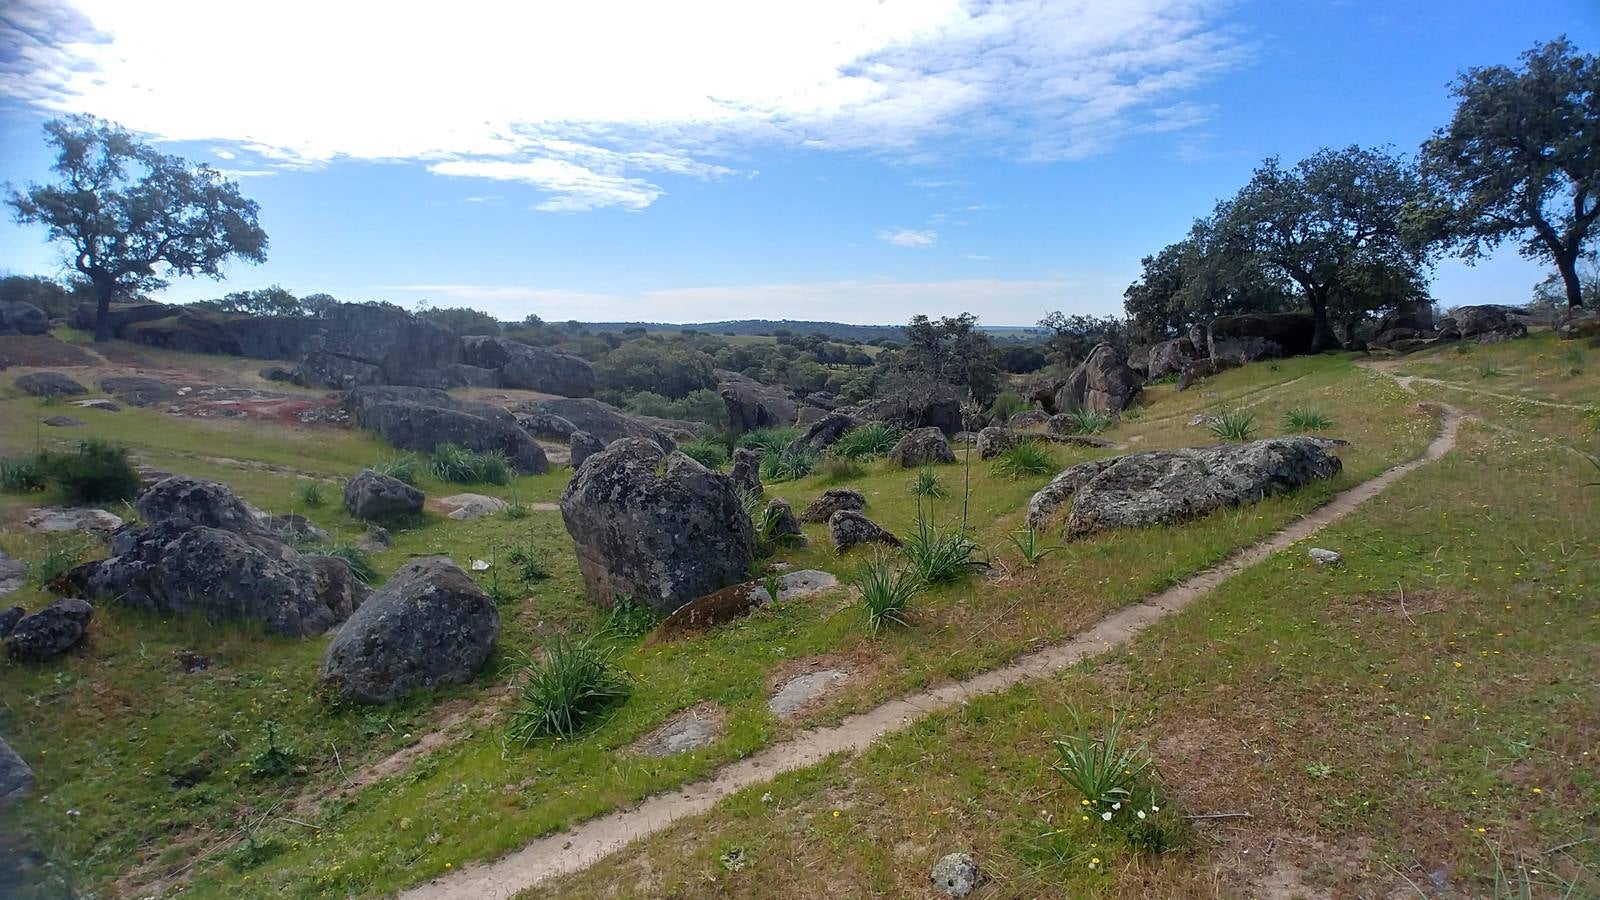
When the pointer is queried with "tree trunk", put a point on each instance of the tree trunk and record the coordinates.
(1568, 267)
(1323, 337)
(102, 318)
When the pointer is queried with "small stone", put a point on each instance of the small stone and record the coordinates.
(800, 690)
(466, 507)
(849, 528)
(63, 422)
(99, 403)
(831, 501)
(1325, 557)
(50, 632)
(372, 495)
(13, 574)
(956, 875)
(375, 540)
(61, 518)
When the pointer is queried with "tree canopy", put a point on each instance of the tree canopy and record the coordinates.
(1520, 159)
(952, 351)
(132, 217)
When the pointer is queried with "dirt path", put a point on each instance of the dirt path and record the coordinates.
(1408, 380)
(587, 843)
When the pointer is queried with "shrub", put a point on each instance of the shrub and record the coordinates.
(710, 454)
(1089, 421)
(459, 465)
(311, 493)
(1006, 404)
(866, 441)
(1234, 425)
(573, 682)
(1024, 459)
(788, 464)
(886, 593)
(401, 466)
(98, 473)
(1306, 420)
(835, 469)
(1100, 767)
(699, 405)
(768, 440)
(360, 563)
(22, 475)
(940, 555)
(529, 564)
(926, 485)
(274, 760)
(1028, 544)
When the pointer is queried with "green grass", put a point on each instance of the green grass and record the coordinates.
(359, 561)
(311, 494)
(788, 464)
(23, 474)
(1306, 419)
(832, 469)
(1026, 458)
(1234, 425)
(710, 454)
(565, 691)
(940, 554)
(768, 441)
(886, 592)
(927, 485)
(406, 467)
(1089, 421)
(867, 441)
(457, 465)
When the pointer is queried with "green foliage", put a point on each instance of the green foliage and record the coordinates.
(529, 563)
(1025, 459)
(1089, 421)
(406, 467)
(515, 510)
(940, 555)
(672, 368)
(952, 351)
(274, 759)
(699, 405)
(768, 441)
(628, 619)
(710, 454)
(1073, 338)
(455, 464)
(253, 852)
(1490, 370)
(886, 593)
(1234, 425)
(837, 469)
(788, 464)
(1029, 546)
(99, 472)
(1100, 767)
(61, 553)
(360, 563)
(926, 485)
(565, 689)
(23, 475)
(460, 319)
(311, 493)
(1008, 403)
(866, 441)
(1306, 419)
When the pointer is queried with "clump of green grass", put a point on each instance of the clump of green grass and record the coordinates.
(406, 467)
(311, 494)
(1030, 546)
(629, 619)
(273, 760)
(1101, 767)
(886, 592)
(22, 475)
(99, 472)
(710, 454)
(515, 509)
(833, 469)
(1490, 370)
(458, 465)
(1234, 425)
(1025, 459)
(788, 464)
(1089, 421)
(60, 555)
(940, 555)
(768, 441)
(358, 560)
(1306, 419)
(565, 690)
(866, 441)
(529, 563)
(1006, 404)
(926, 485)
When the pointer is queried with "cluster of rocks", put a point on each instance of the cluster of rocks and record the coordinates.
(49, 384)
(1167, 486)
(23, 318)
(47, 633)
(1104, 382)
(1412, 327)
(421, 419)
(559, 419)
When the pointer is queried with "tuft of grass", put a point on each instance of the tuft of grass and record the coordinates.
(515, 510)
(886, 592)
(630, 619)
(529, 564)
(926, 485)
(311, 494)
(940, 555)
(1234, 425)
(1101, 767)
(1306, 419)
(458, 465)
(832, 469)
(275, 759)
(406, 467)
(1089, 421)
(1490, 370)
(60, 555)
(22, 475)
(565, 690)
(710, 454)
(1024, 459)
(867, 441)
(360, 563)
(1006, 404)
(99, 472)
(1028, 544)
(788, 464)
(768, 441)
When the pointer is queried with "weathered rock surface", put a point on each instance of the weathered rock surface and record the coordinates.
(994, 440)
(1103, 383)
(23, 318)
(849, 528)
(63, 422)
(13, 574)
(784, 524)
(188, 502)
(1256, 336)
(1171, 358)
(97, 403)
(48, 384)
(956, 875)
(187, 330)
(385, 337)
(373, 496)
(454, 375)
(831, 501)
(802, 690)
(530, 368)
(582, 445)
(120, 315)
(16, 779)
(746, 473)
(1578, 326)
(1205, 368)
(918, 406)
(319, 368)
(922, 447)
(466, 507)
(752, 404)
(430, 624)
(140, 391)
(49, 632)
(71, 518)
(691, 729)
(737, 600)
(416, 426)
(1166, 486)
(9, 620)
(657, 528)
(1472, 321)
(824, 432)
(602, 420)
(547, 425)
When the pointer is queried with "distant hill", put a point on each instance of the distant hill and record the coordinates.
(838, 331)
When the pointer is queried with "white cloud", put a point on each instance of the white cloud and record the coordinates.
(909, 237)
(620, 89)
(978, 257)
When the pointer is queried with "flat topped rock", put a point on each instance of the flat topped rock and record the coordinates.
(737, 600)
(64, 518)
(464, 507)
(63, 422)
(99, 403)
(798, 692)
(13, 574)
(689, 730)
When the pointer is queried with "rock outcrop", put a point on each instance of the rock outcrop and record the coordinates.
(23, 318)
(1166, 486)
(49, 384)
(746, 472)
(916, 406)
(602, 420)
(581, 445)
(1256, 336)
(373, 497)
(752, 404)
(994, 440)
(16, 779)
(922, 447)
(1103, 383)
(657, 528)
(430, 624)
(831, 501)
(421, 419)
(824, 432)
(848, 528)
(529, 368)
(49, 632)
(1172, 358)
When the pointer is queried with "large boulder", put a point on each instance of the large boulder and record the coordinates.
(659, 529)
(1472, 321)
(752, 404)
(994, 440)
(373, 496)
(602, 420)
(49, 384)
(1171, 358)
(549, 426)
(387, 337)
(195, 501)
(455, 375)
(1103, 383)
(848, 528)
(746, 472)
(430, 624)
(1250, 337)
(1166, 486)
(530, 368)
(16, 779)
(23, 318)
(1416, 316)
(916, 406)
(831, 501)
(420, 427)
(582, 445)
(49, 632)
(120, 315)
(922, 447)
(825, 431)
(188, 330)
(272, 337)
(1576, 326)
(319, 368)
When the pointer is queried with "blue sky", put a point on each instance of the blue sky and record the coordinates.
(829, 159)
